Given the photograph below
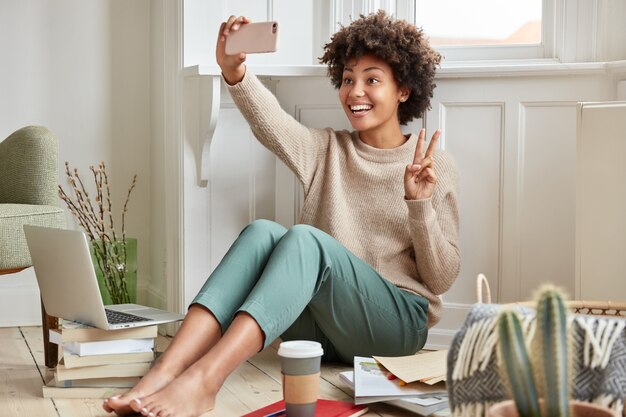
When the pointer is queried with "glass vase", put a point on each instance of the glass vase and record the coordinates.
(116, 270)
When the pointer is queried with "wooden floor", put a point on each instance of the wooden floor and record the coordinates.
(254, 385)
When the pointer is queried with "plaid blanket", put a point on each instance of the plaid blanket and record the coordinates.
(475, 381)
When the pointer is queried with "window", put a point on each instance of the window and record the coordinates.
(464, 30)
(486, 29)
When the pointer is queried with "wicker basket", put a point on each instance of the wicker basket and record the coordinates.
(596, 308)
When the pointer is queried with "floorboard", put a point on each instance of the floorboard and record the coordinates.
(20, 379)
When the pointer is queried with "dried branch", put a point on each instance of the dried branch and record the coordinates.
(125, 209)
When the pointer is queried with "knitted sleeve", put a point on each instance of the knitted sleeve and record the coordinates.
(434, 228)
(299, 147)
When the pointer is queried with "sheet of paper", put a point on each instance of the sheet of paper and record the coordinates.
(419, 367)
(435, 380)
(371, 381)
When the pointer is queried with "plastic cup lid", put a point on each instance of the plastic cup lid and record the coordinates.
(300, 349)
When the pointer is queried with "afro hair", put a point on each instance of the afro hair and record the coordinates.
(402, 45)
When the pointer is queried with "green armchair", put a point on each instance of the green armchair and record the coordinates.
(28, 195)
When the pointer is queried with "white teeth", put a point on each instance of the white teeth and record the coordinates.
(361, 107)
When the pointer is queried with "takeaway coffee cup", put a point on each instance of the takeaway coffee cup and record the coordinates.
(300, 363)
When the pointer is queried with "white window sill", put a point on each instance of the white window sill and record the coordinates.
(451, 69)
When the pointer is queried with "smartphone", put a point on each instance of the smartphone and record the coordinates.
(253, 38)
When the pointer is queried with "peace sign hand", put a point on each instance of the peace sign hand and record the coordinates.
(419, 177)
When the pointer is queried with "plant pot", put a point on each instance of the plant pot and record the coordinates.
(579, 409)
(129, 273)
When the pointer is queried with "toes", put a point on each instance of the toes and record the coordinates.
(150, 410)
(109, 403)
(135, 404)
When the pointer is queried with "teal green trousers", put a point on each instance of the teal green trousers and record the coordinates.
(301, 283)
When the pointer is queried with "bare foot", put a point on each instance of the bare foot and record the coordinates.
(153, 381)
(198, 394)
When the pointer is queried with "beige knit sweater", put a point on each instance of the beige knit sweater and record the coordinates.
(355, 193)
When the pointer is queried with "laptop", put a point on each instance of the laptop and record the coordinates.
(69, 287)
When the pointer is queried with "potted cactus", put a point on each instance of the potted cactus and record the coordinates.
(539, 380)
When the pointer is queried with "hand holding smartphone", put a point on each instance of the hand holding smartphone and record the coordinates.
(253, 38)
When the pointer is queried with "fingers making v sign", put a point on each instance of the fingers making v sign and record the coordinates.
(419, 177)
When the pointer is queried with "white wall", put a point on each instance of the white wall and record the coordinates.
(82, 68)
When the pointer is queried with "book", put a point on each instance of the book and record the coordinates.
(324, 408)
(371, 384)
(75, 361)
(71, 331)
(110, 347)
(114, 382)
(424, 405)
(89, 392)
(101, 371)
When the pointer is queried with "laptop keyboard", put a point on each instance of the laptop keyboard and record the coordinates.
(117, 317)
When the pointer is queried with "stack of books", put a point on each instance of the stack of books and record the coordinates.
(372, 382)
(98, 363)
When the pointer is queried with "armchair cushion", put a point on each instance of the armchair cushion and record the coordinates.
(13, 250)
(28, 191)
(29, 167)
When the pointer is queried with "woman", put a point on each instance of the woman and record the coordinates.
(378, 235)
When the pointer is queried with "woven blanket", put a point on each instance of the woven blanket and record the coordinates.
(475, 381)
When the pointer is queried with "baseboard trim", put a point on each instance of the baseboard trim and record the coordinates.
(439, 339)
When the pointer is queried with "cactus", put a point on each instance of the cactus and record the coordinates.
(547, 371)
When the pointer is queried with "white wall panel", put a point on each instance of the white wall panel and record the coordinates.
(547, 200)
(230, 178)
(237, 193)
(601, 233)
(473, 134)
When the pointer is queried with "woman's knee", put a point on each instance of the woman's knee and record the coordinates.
(263, 227)
(305, 231)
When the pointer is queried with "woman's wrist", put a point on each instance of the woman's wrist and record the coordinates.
(234, 76)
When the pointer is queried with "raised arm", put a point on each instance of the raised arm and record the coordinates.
(298, 146)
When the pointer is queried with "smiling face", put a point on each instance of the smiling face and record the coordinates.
(370, 96)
